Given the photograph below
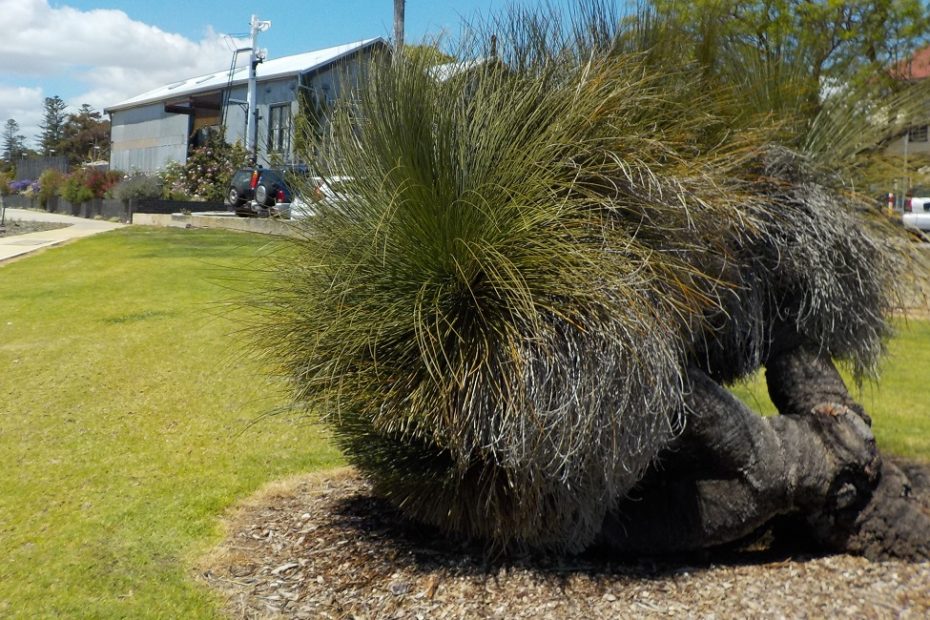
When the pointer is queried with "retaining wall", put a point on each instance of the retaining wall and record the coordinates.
(263, 226)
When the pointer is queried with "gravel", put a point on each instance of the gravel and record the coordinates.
(321, 546)
(12, 228)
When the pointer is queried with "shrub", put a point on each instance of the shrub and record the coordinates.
(50, 183)
(100, 182)
(74, 189)
(207, 172)
(18, 187)
(138, 187)
(86, 184)
(6, 177)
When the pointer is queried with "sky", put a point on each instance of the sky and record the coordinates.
(101, 52)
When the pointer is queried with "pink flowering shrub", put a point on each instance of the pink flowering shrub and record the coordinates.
(207, 172)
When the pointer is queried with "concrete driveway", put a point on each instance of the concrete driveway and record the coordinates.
(18, 245)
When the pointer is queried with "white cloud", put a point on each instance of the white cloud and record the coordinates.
(111, 57)
(22, 104)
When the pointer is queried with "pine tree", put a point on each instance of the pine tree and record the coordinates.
(53, 125)
(14, 143)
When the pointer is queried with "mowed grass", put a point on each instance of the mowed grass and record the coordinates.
(130, 420)
(899, 402)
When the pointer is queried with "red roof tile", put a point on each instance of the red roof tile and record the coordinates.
(917, 67)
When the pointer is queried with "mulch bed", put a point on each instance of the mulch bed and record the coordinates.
(12, 228)
(322, 546)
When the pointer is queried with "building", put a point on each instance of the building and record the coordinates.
(915, 140)
(162, 125)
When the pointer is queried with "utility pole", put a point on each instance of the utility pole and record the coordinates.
(255, 57)
(399, 6)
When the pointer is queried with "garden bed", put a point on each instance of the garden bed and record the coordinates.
(12, 228)
(321, 546)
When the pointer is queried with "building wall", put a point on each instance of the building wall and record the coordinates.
(918, 144)
(268, 94)
(146, 138)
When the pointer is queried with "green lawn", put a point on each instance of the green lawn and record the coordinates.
(126, 405)
(126, 411)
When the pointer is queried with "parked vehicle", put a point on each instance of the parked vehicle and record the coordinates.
(332, 190)
(917, 209)
(257, 191)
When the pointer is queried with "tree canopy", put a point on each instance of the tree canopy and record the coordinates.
(855, 39)
(13, 142)
(53, 125)
(85, 136)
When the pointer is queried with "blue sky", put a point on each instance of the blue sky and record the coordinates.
(103, 51)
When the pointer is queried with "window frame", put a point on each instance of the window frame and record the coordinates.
(918, 133)
(279, 128)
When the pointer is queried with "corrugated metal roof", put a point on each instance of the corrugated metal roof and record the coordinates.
(270, 69)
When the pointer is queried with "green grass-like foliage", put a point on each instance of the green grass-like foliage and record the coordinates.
(496, 319)
(483, 318)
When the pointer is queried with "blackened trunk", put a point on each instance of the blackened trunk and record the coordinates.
(732, 472)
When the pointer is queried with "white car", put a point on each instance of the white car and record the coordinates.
(917, 209)
(331, 190)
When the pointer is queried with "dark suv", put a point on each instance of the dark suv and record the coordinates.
(254, 190)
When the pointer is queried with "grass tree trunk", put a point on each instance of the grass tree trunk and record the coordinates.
(732, 472)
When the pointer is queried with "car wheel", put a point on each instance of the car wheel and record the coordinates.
(233, 197)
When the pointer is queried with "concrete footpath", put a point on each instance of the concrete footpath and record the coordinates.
(78, 227)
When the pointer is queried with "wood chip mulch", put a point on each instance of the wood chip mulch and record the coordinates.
(321, 546)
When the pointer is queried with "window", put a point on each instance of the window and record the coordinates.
(279, 128)
(917, 134)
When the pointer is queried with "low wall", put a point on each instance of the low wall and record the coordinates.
(155, 213)
(98, 208)
(18, 201)
(263, 226)
(110, 209)
(157, 205)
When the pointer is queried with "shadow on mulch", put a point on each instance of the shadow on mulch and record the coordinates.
(425, 549)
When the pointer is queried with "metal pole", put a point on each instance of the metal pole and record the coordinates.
(907, 174)
(399, 6)
(255, 57)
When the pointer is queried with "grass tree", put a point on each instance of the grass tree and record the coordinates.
(522, 313)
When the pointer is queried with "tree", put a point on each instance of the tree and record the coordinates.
(858, 39)
(432, 55)
(86, 136)
(53, 125)
(14, 143)
(521, 320)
